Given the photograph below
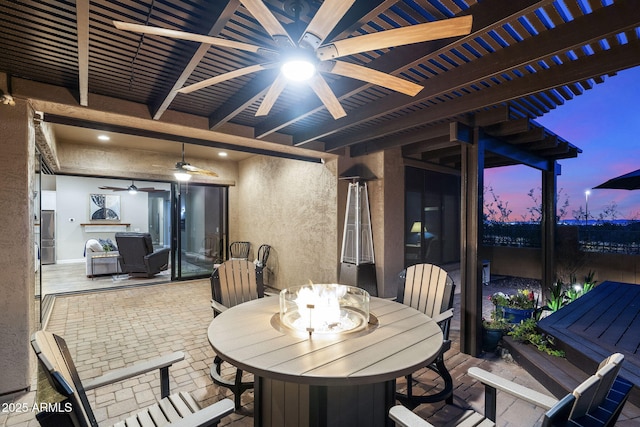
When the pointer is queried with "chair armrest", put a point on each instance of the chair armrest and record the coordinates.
(405, 418)
(517, 390)
(160, 254)
(271, 291)
(207, 416)
(445, 315)
(158, 259)
(133, 371)
(217, 307)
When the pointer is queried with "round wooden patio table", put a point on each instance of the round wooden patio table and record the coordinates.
(347, 380)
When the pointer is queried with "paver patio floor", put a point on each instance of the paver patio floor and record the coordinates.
(113, 328)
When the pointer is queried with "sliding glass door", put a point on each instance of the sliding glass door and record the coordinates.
(432, 217)
(199, 229)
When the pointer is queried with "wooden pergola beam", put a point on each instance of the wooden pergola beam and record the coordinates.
(248, 95)
(533, 135)
(453, 131)
(82, 25)
(491, 116)
(220, 21)
(588, 28)
(622, 58)
(512, 152)
(511, 127)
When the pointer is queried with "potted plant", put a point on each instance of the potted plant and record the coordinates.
(493, 329)
(516, 308)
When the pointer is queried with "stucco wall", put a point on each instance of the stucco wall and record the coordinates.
(292, 206)
(79, 159)
(17, 263)
(393, 208)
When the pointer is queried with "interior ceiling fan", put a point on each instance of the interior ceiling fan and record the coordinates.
(307, 58)
(132, 189)
(184, 170)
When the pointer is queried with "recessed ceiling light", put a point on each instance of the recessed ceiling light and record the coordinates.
(103, 138)
(223, 154)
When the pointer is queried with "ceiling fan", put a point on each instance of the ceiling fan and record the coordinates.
(132, 189)
(309, 57)
(184, 170)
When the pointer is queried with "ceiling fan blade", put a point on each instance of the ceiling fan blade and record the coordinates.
(272, 95)
(197, 170)
(269, 22)
(326, 95)
(375, 77)
(182, 35)
(150, 190)
(327, 17)
(226, 76)
(113, 188)
(396, 37)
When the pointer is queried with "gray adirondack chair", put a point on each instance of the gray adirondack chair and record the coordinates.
(429, 289)
(596, 402)
(62, 384)
(234, 282)
(239, 250)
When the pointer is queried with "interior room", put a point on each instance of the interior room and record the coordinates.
(204, 231)
(67, 212)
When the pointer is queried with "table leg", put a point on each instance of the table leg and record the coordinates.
(279, 403)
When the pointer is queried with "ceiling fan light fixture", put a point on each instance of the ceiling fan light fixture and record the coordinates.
(133, 189)
(182, 176)
(298, 70)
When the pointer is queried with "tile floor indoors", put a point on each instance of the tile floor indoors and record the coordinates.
(113, 328)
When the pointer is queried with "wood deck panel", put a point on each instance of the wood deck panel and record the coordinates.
(603, 321)
(608, 327)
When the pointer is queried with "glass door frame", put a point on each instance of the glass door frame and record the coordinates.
(37, 209)
(176, 227)
(431, 191)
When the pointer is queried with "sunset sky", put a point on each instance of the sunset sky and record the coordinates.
(605, 123)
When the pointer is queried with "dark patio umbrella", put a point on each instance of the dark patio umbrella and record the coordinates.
(629, 181)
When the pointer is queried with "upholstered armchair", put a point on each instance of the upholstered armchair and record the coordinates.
(137, 257)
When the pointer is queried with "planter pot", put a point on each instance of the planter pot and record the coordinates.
(517, 315)
(490, 339)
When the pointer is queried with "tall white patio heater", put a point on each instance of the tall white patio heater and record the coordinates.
(357, 263)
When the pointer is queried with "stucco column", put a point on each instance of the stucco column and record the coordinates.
(386, 203)
(393, 208)
(17, 265)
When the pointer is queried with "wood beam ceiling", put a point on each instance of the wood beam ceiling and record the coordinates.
(483, 22)
(220, 19)
(82, 25)
(593, 27)
(522, 59)
(622, 58)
